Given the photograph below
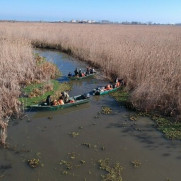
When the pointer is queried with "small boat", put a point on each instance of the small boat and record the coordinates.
(98, 91)
(80, 99)
(79, 78)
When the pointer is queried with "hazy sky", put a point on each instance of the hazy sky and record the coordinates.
(160, 11)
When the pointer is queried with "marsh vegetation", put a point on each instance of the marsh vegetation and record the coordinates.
(147, 57)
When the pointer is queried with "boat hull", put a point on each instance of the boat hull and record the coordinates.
(38, 107)
(80, 78)
(106, 92)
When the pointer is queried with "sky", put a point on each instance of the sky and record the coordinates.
(157, 11)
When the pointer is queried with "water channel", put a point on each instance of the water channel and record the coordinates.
(47, 136)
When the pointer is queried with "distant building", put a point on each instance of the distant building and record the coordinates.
(73, 21)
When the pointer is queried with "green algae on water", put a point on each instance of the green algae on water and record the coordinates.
(74, 134)
(106, 110)
(136, 163)
(113, 172)
(33, 163)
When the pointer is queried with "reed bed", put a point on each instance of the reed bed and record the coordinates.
(148, 58)
(18, 67)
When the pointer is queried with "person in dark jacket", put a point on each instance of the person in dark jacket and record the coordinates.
(76, 72)
(88, 71)
(65, 96)
(48, 100)
(80, 73)
(70, 74)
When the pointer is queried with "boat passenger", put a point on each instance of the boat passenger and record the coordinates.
(65, 97)
(92, 71)
(55, 102)
(118, 84)
(108, 87)
(88, 71)
(48, 100)
(60, 101)
(76, 72)
(80, 73)
(116, 80)
(70, 74)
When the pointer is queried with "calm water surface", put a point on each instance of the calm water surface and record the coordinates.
(47, 136)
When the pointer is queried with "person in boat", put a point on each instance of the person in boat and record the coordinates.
(116, 83)
(88, 71)
(55, 103)
(108, 87)
(65, 97)
(80, 73)
(48, 100)
(83, 74)
(76, 72)
(60, 101)
(70, 74)
(92, 71)
(116, 80)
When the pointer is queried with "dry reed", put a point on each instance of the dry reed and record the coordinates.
(147, 57)
(17, 67)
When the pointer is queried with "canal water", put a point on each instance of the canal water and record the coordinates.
(80, 136)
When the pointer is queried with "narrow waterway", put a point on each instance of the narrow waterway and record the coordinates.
(49, 137)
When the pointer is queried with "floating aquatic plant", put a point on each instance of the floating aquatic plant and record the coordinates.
(74, 134)
(33, 163)
(68, 165)
(133, 118)
(136, 163)
(82, 161)
(113, 173)
(72, 155)
(106, 110)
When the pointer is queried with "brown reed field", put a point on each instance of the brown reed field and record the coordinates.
(148, 58)
(18, 67)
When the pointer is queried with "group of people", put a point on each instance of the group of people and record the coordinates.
(79, 73)
(116, 84)
(64, 98)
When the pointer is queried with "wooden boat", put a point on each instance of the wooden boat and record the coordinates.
(80, 99)
(98, 92)
(79, 78)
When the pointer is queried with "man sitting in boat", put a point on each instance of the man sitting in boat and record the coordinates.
(48, 100)
(70, 74)
(117, 83)
(92, 71)
(80, 73)
(65, 97)
(76, 72)
(108, 87)
(88, 71)
(60, 101)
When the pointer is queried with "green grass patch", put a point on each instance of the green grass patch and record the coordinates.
(171, 129)
(120, 96)
(56, 89)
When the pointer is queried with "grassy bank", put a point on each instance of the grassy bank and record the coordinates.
(36, 93)
(18, 68)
